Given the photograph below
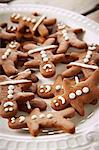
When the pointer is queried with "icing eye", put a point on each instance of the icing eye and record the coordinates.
(41, 116)
(21, 119)
(58, 87)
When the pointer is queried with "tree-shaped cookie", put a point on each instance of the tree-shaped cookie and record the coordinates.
(37, 121)
(44, 59)
(84, 92)
(11, 93)
(9, 56)
(86, 62)
(66, 37)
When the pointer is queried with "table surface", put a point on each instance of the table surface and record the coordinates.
(80, 6)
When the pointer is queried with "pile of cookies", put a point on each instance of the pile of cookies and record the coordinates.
(35, 43)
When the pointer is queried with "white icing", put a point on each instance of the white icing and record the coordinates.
(13, 120)
(4, 57)
(38, 23)
(60, 27)
(21, 119)
(62, 99)
(89, 53)
(34, 117)
(42, 91)
(10, 91)
(56, 104)
(84, 65)
(41, 48)
(13, 15)
(6, 109)
(85, 90)
(54, 101)
(78, 92)
(41, 116)
(10, 96)
(47, 66)
(11, 87)
(76, 80)
(10, 109)
(86, 60)
(24, 18)
(14, 82)
(92, 48)
(28, 19)
(28, 105)
(48, 88)
(49, 116)
(8, 104)
(42, 52)
(42, 86)
(45, 59)
(17, 16)
(58, 87)
(33, 20)
(72, 95)
(44, 55)
(12, 45)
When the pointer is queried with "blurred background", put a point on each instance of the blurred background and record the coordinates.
(86, 7)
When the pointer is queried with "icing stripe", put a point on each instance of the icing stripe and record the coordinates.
(38, 23)
(14, 82)
(76, 80)
(84, 65)
(38, 49)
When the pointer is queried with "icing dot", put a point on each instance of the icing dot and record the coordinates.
(42, 52)
(72, 95)
(88, 56)
(42, 90)
(24, 18)
(21, 119)
(10, 91)
(11, 109)
(56, 104)
(89, 53)
(85, 90)
(78, 92)
(17, 16)
(6, 109)
(11, 87)
(10, 96)
(33, 20)
(86, 60)
(12, 120)
(28, 19)
(63, 31)
(34, 117)
(4, 57)
(58, 87)
(54, 101)
(45, 59)
(49, 116)
(44, 55)
(66, 38)
(41, 116)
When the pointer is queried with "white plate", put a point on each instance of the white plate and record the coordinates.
(87, 128)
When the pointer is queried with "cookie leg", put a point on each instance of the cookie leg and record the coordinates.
(63, 47)
(32, 64)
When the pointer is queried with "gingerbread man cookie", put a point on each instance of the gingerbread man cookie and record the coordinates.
(12, 92)
(9, 56)
(51, 90)
(84, 92)
(67, 37)
(86, 62)
(44, 59)
(37, 121)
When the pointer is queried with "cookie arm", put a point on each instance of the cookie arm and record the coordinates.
(32, 64)
(63, 46)
(22, 55)
(24, 96)
(58, 58)
(74, 70)
(43, 31)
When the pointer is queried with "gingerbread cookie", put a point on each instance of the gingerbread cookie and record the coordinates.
(67, 37)
(44, 59)
(86, 62)
(11, 93)
(51, 90)
(4, 35)
(9, 56)
(82, 93)
(37, 121)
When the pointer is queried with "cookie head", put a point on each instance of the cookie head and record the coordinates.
(47, 69)
(59, 102)
(45, 91)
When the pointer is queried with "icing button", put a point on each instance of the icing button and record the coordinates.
(6, 109)
(49, 116)
(11, 87)
(72, 95)
(10, 96)
(58, 87)
(86, 60)
(78, 92)
(11, 109)
(45, 59)
(34, 117)
(10, 91)
(85, 90)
